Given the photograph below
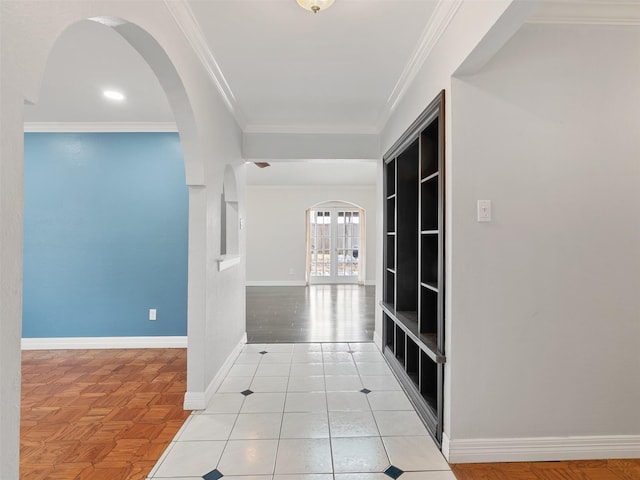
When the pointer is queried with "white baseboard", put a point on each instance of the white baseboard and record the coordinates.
(445, 447)
(200, 400)
(540, 449)
(290, 283)
(87, 343)
(377, 339)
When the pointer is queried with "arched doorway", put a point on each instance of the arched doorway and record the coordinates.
(33, 32)
(105, 202)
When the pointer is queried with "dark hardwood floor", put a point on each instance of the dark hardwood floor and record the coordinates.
(317, 313)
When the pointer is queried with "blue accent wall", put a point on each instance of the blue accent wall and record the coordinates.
(105, 235)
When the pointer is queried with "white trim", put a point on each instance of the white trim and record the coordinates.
(313, 129)
(187, 23)
(200, 400)
(589, 12)
(227, 261)
(87, 343)
(377, 339)
(276, 283)
(194, 401)
(81, 127)
(446, 445)
(370, 283)
(542, 449)
(438, 22)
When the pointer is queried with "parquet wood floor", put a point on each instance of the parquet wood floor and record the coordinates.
(99, 414)
(576, 470)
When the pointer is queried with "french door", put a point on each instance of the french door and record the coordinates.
(334, 245)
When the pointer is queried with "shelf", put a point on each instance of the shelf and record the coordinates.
(431, 286)
(430, 149)
(390, 213)
(412, 361)
(429, 312)
(430, 177)
(390, 252)
(424, 408)
(429, 262)
(429, 206)
(389, 327)
(408, 322)
(429, 383)
(412, 305)
(389, 288)
(390, 184)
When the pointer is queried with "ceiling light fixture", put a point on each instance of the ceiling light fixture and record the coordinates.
(113, 95)
(315, 5)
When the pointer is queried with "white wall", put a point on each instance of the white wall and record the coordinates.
(276, 229)
(210, 138)
(473, 34)
(545, 333)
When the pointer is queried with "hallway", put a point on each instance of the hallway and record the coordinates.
(312, 411)
(317, 313)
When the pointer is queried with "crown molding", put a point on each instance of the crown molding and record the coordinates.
(80, 127)
(313, 129)
(440, 19)
(589, 12)
(187, 23)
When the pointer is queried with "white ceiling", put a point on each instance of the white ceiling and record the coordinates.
(288, 67)
(326, 173)
(285, 67)
(88, 58)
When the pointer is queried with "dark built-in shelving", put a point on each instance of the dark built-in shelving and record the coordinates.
(413, 292)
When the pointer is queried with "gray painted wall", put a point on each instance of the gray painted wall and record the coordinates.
(545, 331)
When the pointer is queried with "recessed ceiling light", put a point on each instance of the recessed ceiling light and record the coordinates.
(113, 95)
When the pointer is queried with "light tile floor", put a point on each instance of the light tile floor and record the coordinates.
(305, 411)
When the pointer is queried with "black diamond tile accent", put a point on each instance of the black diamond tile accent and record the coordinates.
(365, 391)
(246, 393)
(263, 352)
(213, 475)
(393, 472)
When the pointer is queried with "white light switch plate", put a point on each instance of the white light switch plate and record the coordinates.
(484, 210)
(152, 314)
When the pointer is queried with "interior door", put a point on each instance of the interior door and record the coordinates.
(335, 245)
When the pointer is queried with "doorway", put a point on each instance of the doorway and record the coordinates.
(335, 241)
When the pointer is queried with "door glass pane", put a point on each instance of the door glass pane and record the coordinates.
(348, 243)
(320, 243)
